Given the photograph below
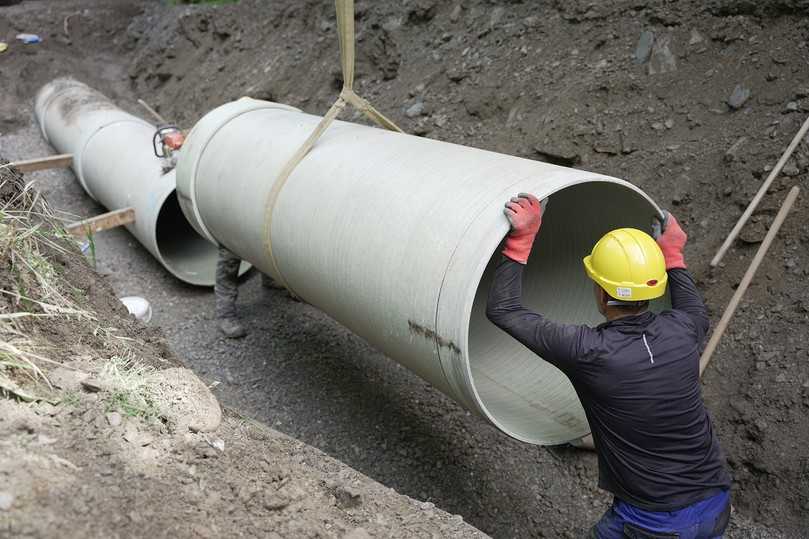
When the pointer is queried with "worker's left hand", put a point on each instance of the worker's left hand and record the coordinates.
(672, 243)
(524, 214)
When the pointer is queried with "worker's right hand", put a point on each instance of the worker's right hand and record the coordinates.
(524, 214)
(672, 242)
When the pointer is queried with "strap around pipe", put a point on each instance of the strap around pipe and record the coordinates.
(345, 33)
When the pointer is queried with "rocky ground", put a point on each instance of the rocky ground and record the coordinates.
(693, 101)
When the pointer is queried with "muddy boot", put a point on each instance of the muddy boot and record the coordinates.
(226, 291)
(231, 327)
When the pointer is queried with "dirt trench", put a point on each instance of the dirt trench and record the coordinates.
(566, 82)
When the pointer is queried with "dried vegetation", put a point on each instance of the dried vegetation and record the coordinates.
(34, 295)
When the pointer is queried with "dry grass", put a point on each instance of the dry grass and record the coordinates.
(28, 227)
(32, 289)
(29, 231)
(126, 381)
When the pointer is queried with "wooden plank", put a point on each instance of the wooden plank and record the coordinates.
(153, 112)
(761, 192)
(101, 222)
(748, 277)
(44, 163)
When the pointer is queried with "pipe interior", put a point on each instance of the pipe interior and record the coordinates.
(524, 395)
(185, 253)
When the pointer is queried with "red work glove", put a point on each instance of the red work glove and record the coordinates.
(672, 242)
(524, 214)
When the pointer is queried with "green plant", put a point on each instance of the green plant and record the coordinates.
(142, 406)
(70, 398)
(92, 247)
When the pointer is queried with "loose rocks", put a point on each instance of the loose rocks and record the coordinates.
(662, 59)
(114, 419)
(416, 109)
(739, 97)
(644, 49)
(733, 152)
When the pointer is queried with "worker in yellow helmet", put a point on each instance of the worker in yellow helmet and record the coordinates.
(637, 376)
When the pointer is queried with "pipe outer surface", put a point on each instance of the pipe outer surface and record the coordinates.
(114, 162)
(397, 237)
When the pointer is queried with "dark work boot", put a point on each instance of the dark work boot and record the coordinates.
(226, 291)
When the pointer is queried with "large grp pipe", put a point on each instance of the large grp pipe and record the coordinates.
(115, 163)
(397, 236)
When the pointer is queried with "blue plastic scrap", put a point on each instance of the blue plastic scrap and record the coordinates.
(29, 39)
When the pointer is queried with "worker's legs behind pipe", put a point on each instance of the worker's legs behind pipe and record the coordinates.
(226, 291)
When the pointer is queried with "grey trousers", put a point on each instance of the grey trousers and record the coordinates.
(226, 286)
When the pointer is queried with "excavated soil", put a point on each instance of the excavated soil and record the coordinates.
(693, 101)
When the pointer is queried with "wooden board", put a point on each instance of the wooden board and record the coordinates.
(44, 163)
(101, 222)
(761, 192)
(748, 278)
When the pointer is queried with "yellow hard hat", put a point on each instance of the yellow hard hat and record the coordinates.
(629, 265)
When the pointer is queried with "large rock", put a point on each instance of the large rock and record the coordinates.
(662, 59)
(644, 49)
(185, 400)
(739, 97)
(67, 379)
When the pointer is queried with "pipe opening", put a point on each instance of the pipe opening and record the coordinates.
(525, 396)
(185, 253)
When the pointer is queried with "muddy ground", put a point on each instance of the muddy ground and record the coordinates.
(697, 118)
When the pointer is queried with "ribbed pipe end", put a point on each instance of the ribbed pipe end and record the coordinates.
(184, 253)
(523, 395)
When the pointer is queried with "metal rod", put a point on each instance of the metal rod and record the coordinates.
(761, 192)
(748, 277)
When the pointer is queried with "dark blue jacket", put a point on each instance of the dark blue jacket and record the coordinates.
(638, 380)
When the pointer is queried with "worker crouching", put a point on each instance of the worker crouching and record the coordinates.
(636, 375)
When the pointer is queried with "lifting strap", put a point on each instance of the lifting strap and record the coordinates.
(345, 31)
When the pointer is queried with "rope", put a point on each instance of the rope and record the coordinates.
(345, 34)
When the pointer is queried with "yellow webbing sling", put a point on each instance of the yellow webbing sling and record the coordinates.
(345, 30)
